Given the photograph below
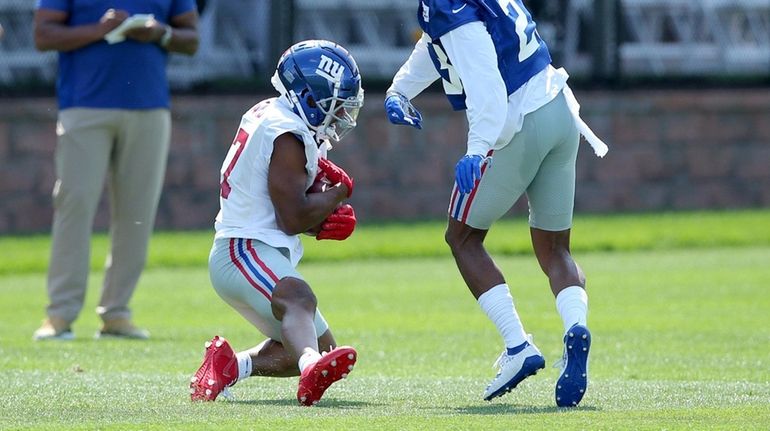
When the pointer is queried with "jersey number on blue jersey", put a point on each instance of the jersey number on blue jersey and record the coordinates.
(529, 43)
(529, 40)
(449, 77)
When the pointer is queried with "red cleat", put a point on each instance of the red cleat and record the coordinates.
(218, 371)
(317, 377)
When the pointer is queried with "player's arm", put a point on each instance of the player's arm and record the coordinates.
(51, 31)
(296, 211)
(412, 78)
(472, 53)
(417, 73)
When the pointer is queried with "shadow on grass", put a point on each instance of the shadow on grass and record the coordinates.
(496, 409)
(324, 403)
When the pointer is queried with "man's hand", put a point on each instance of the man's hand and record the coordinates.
(339, 225)
(110, 20)
(335, 174)
(467, 171)
(151, 32)
(401, 111)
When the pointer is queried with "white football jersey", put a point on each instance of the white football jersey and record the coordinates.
(246, 210)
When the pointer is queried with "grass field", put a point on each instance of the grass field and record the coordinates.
(679, 313)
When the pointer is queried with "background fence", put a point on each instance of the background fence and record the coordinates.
(596, 40)
(672, 148)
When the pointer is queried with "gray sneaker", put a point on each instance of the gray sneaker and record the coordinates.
(54, 328)
(121, 328)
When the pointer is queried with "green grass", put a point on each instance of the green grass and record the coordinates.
(678, 309)
(651, 231)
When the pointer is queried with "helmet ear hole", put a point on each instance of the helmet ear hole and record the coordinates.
(308, 98)
(310, 107)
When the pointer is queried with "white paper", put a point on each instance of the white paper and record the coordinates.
(118, 34)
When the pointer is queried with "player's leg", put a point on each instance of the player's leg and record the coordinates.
(257, 281)
(294, 304)
(474, 263)
(470, 216)
(271, 359)
(243, 273)
(82, 156)
(551, 198)
(552, 250)
(136, 180)
(520, 358)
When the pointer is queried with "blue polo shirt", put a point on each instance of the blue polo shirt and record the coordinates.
(126, 75)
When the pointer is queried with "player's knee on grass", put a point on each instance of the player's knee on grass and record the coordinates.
(292, 294)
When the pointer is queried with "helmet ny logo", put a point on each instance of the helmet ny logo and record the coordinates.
(330, 69)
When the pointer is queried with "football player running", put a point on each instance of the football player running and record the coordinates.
(524, 130)
(277, 154)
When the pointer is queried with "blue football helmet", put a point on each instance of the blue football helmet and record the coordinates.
(321, 81)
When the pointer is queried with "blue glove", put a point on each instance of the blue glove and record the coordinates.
(467, 171)
(401, 111)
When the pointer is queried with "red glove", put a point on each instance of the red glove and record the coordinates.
(339, 225)
(335, 174)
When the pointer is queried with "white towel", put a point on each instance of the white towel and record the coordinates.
(118, 34)
(600, 148)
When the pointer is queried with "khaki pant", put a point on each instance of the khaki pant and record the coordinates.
(128, 148)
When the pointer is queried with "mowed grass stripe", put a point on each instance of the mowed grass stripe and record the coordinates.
(404, 403)
(681, 341)
(510, 236)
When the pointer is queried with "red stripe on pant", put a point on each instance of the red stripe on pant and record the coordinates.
(239, 265)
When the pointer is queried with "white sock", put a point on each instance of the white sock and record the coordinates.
(307, 358)
(244, 365)
(497, 302)
(572, 304)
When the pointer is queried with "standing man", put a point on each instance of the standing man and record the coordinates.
(269, 195)
(113, 123)
(524, 131)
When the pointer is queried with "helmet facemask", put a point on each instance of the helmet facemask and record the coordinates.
(340, 115)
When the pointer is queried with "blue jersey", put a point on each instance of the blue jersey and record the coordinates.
(521, 53)
(127, 75)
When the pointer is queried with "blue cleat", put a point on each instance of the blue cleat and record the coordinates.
(573, 381)
(515, 366)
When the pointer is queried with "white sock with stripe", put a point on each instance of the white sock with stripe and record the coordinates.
(244, 365)
(497, 302)
(572, 304)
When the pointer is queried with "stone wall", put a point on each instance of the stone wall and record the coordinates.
(669, 150)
